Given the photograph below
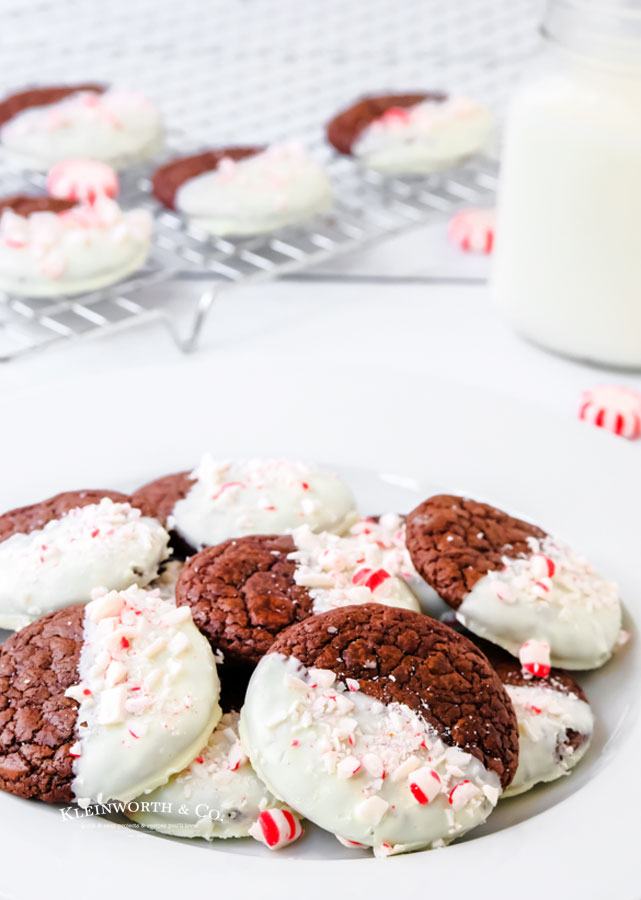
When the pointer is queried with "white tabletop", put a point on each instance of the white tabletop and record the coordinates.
(346, 316)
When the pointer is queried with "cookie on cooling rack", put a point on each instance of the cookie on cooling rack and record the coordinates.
(513, 584)
(244, 190)
(382, 726)
(411, 133)
(53, 247)
(42, 126)
(246, 591)
(223, 499)
(55, 552)
(106, 701)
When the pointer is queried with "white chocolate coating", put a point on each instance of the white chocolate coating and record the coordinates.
(79, 250)
(260, 193)
(148, 695)
(105, 543)
(426, 137)
(217, 796)
(117, 127)
(233, 499)
(544, 716)
(340, 571)
(575, 611)
(348, 762)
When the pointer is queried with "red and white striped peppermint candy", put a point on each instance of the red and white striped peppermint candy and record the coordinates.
(615, 408)
(276, 828)
(473, 230)
(534, 657)
(82, 179)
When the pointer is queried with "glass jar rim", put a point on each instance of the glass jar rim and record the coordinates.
(603, 31)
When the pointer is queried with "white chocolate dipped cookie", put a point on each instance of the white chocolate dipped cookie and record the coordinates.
(245, 190)
(223, 499)
(106, 701)
(512, 583)
(217, 796)
(245, 592)
(51, 247)
(412, 133)
(53, 554)
(42, 126)
(352, 719)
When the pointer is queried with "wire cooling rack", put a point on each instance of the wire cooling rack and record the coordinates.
(256, 71)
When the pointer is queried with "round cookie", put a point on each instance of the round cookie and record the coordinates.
(382, 726)
(246, 591)
(42, 126)
(414, 133)
(54, 553)
(222, 499)
(51, 247)
(554, 718)
(244, 190)
(510, 582)
(217, 796)
(105, 701)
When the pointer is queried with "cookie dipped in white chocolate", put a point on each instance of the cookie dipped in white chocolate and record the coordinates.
(217, 796)
(555, 729)
(372, 773)
(554, 596)
(90, 246)
(426, 137)
(272, 188)
(105, 543)
(117, 127)
(148, 695)
(236, 498)
(342, 571)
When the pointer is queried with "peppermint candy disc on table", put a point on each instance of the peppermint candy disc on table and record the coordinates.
(473, 230)
(83, 180)
(614, 408)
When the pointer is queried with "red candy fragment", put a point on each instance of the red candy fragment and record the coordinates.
(369, 578)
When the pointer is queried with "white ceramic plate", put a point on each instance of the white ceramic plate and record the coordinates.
(574, 838)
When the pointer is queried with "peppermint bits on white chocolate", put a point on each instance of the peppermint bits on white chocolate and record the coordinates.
(345, 719)
(515, 585)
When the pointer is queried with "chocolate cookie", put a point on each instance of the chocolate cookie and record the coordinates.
(16, 103)
(222, 499)
(168, 178)
(26, 519)
(245, 592)
(399, 656)
(242, 594)
(513, 584)
(412, 134)
(381, 725)
(244, 190)
(108, 681)
(37, 722)
(54, 553)
(454, 541)
(344, 128)
(554, 718)
(24, 205)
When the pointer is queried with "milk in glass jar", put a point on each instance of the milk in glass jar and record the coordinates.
(567, 267)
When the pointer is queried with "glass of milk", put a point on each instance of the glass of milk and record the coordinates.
(567, 266)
